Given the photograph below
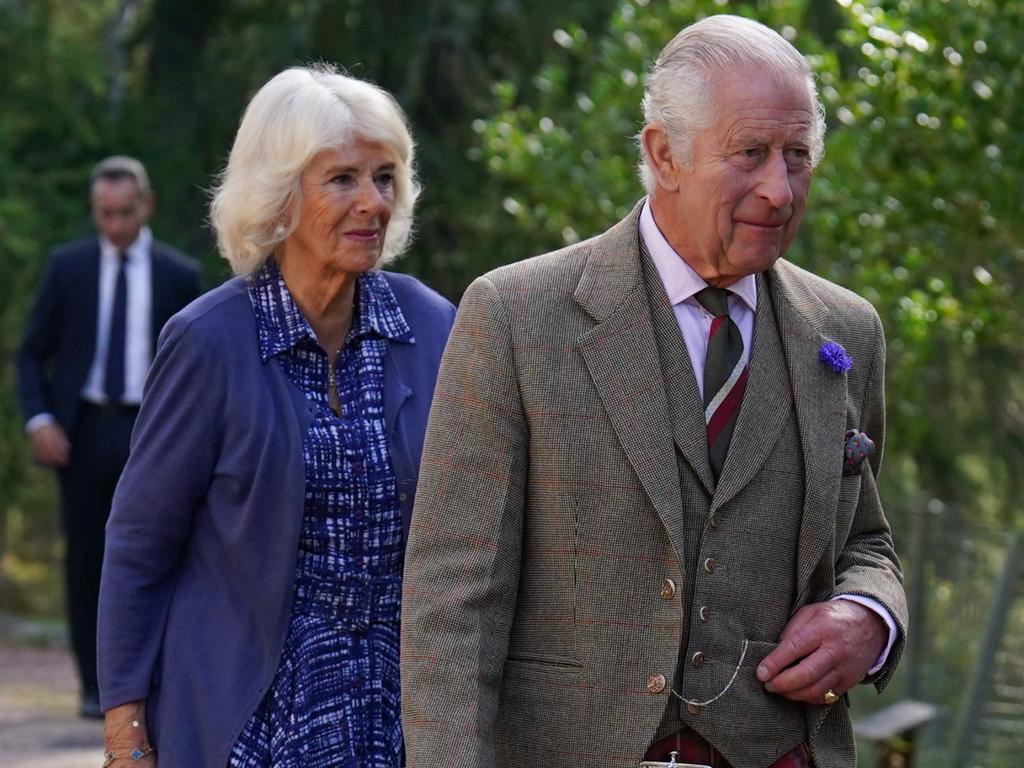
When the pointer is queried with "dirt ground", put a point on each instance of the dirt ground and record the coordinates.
(39, 723)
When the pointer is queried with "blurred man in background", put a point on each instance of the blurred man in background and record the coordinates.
(88, 344)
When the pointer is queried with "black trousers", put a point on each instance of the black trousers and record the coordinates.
(99, 450)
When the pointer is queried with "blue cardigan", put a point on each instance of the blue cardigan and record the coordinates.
(203, 535)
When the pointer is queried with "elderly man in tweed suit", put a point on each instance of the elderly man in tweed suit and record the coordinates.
(647, 525)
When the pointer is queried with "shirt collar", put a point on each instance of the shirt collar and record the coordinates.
(379, 311)
(137, 251)
(280, 324)
(679, 278)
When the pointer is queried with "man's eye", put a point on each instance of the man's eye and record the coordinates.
(751, 152)
(797, 156)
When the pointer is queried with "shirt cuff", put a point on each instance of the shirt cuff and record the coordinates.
(37, 421)
(882, 611)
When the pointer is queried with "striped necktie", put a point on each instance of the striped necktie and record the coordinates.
(725, 375)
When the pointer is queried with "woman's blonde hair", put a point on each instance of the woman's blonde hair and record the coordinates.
(296, 115)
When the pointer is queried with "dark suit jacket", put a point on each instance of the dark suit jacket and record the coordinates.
(60, 336)
(202, 540)
(553, 502)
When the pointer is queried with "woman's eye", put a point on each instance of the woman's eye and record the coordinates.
(385, 180)
(343, 178)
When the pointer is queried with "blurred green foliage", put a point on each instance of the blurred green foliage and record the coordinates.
(525, 114)
(916, 205)
(167, 80)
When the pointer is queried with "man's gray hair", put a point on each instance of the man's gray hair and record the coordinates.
(117, 167)
(681, 86)
(297, 114)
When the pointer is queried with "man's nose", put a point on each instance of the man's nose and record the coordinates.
(774, 185)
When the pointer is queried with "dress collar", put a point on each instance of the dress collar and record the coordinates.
(281, 325)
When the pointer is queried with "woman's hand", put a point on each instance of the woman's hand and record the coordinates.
(124, 730)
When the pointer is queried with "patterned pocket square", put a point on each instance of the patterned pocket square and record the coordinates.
(858, 447)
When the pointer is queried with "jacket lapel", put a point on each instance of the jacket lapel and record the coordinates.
(90, 287)
(159, 282)
(621, 355)
(684, 401)
(396, 392)
(819, 396)
(766, 405)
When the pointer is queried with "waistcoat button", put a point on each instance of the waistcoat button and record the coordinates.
(697, 659)
(693, 709)
(710, 564)
(656, 683)
(668, 589)
(704, 613)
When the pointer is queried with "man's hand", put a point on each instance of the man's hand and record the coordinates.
(825, 646)
(50, 445)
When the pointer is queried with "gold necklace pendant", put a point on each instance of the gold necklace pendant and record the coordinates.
(333, 401)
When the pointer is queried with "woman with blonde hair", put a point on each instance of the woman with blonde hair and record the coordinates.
(249, 610)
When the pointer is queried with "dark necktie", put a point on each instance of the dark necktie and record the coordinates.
(725, 375)
(113, 380)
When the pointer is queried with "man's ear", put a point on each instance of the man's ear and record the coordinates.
(660, 160)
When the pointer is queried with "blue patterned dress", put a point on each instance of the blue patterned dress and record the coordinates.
(334, 701)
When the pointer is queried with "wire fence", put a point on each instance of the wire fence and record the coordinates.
(965, 651)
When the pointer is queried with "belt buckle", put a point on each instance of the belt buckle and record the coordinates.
(671, 763)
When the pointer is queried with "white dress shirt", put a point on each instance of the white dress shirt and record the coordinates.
(138, 347)
(138, 353)
(681, 284)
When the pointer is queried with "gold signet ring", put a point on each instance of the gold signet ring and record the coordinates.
(831, 697)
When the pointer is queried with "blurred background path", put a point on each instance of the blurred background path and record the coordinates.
(39, 723)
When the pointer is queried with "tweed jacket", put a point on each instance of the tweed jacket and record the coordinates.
(551, 508)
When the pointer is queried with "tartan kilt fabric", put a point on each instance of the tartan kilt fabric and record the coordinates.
(690, 747)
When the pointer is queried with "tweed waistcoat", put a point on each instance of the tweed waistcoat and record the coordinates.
(753, 542)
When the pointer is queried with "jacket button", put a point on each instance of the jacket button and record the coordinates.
(704, 613)
(693, 709)
(656, 683)
(668, 589)
(403, 497)
(715, 521)
(697, 659)
(710, 564)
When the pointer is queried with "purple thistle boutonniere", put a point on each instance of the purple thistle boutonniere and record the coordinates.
(834, 356)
